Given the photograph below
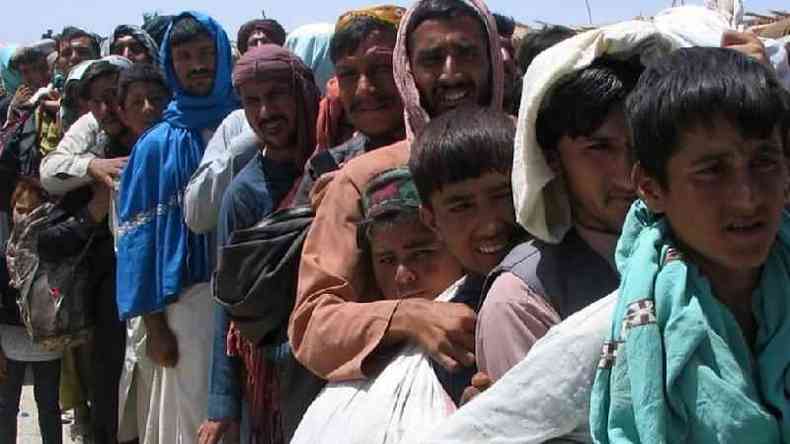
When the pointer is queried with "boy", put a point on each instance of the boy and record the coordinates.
(461, 166)
(700, 329)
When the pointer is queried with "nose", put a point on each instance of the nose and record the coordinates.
(148, 106)
(364, 85)
(622, 168)
(450, 70)
(744, 194)
(404, 275)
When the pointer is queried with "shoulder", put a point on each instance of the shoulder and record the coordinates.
(349, 149)
(363, 168)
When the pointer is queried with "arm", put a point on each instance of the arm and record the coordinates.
(224, 395)
(511, 320)
(69, 231)
(232, 146)
(66, 168)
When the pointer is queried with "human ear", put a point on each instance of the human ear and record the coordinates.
(428, 218)
(649, 189)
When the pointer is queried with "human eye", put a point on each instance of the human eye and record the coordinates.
(708, 171)
(386, 260)
(460, 207)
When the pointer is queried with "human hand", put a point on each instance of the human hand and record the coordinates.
(107, 170)
(747, 43)
(212, 431)
(480, 383)
(318, 191)
(99, 204)
(3, 367)
(161, 346)
(443, 329)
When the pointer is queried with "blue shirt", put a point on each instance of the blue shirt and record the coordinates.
(254, 194)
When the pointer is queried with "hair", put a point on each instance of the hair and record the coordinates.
(71, 33)
(27, 56)
(459, 145)
(693, 87)
(139, 72)
(349, 38)
(98, 69)
(505, 25)
(441, 10)
(25, 185)
(386, 222)
(272, 28)
(157, 27)
(186, 29)
(536, 42)
(579, 103)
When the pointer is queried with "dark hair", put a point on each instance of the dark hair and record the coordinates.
(441, 10)
(24, 185)
(579, 103)
(157, 26)
(459, 145)
(139, 72)
(350, 37)
(98, 69)
(505, 25)
(695, 86)
(536, 42)
(27, 56)
(186, 29)
(71, 33)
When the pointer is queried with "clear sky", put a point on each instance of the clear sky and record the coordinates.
(25, 20)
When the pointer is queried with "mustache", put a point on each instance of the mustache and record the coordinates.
(199, 72)
(271, 119)
(378, 99)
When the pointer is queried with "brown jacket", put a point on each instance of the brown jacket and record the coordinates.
(330, 330)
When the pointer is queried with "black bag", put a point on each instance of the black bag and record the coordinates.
(257, 273)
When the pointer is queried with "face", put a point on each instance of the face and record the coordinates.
(75, 51)
(102, 103)
(512, 73)
(25, 203)
(271, 111)
(450, 63)
(367, 86)
(34, 75)
(257, 38)
(409, 261)
(596, 170)
(475, 219)
(723, 197)
(142, 106)
(194, 63)
(128, 46)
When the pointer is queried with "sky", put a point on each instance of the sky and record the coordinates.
(25, 20)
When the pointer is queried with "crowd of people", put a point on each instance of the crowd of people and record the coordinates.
(425, 225)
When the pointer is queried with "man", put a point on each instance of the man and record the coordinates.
(260, 32)
(447, 55)
(506, 26)
(581, 132)
(163, 269)
(74, 46)
(268, 79)
(232, 146)
(361, 50)
(133, 43)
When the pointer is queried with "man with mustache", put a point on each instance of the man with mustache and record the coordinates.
(361, 50)
(163, 268)
(280, 101)
(447, 54)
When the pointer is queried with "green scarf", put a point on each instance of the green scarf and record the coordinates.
(677, 368)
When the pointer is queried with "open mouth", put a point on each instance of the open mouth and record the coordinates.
(492, 247)
(273, 126)
(745, 228)
(453, 97)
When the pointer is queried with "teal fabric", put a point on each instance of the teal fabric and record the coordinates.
(10, 78)
(311, 44)
(687, 374)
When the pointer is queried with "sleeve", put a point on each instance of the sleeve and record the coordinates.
(231, 147)
(65, 238)
(510, 321)
(66, 168)
(224, 395)
(302, 196)
(332, 329)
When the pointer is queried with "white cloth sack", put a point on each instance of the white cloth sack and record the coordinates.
(400, 405)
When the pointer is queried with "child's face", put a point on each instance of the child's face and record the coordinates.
(724, 197)
(597, 173)
(409, 261)
(476, 219)
(143, 106)
(27, 202)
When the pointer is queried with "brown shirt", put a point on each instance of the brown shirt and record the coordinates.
(339, 317)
